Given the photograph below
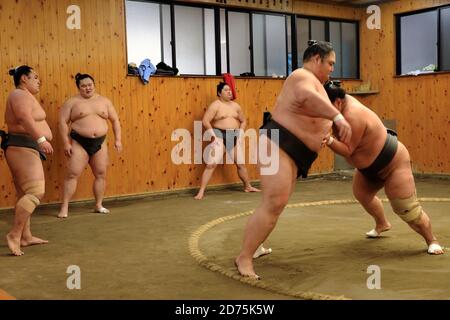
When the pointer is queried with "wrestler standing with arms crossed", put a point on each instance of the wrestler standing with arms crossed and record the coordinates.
(303, 115)
(24, 145)
(87, 113)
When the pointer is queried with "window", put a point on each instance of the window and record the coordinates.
(423, 45)
(195, 46)
(257, 43)
(290, 43)
(223, 40)
(166, 35)
(204, 39)
(342, 35)
(269, 45)
(336, 40)
(418, 41)
(318, 30)
(149, 35)
(444, 39)
(349, 56)
(141, 44)
(208, 40)
(238, 32)
(302, 38)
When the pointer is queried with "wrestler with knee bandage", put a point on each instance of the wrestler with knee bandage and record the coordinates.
(382, 162)
(33, 192)
(25, 144)
(409, 210)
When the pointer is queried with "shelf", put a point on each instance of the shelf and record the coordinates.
(364, 92)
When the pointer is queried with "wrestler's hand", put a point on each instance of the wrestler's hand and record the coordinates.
(68, 150)
(325, 139)
(118, 146)
(238, 139)
(46, 147)
(216, 140)
(344, 130)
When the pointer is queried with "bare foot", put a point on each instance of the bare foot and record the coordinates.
(14, 244)
(383, 228)
(101, 210)
(199, 196)
(251, 189)
(245, 268)
(434, 248)
(32, 241)
(261, 251)
(63, 213)
(375, 233)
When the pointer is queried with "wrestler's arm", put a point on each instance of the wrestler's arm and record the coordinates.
(314, 104)
(64, 120)
(22, 110)
(338, 147)
(209, 116)
(114, 118)
(358, 129)
(242, 119)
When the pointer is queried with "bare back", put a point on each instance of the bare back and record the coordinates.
(227, 115)
(23, 99)
(291, 110)
(368, 138)
(369, 133)
(89, 116)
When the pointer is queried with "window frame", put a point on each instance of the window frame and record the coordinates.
(173, 35)
(173, 41)
(172, 4)
(398, 33)
(327, 37)
(227, 36)
(249, 11)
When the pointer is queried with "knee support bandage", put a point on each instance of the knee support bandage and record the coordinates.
(407, 209)
(32, 191)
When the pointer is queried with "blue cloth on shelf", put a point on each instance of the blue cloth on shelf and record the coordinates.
(146, 69)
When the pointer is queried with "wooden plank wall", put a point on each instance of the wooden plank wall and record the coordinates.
(273, 5)
(318, 9)
(34, 32)
(420, 105)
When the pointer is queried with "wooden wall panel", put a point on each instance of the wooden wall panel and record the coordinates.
(325, 10)
(34, 32)
(275, 5)
(420, 105)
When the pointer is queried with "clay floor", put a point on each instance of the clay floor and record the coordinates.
(141, 249)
